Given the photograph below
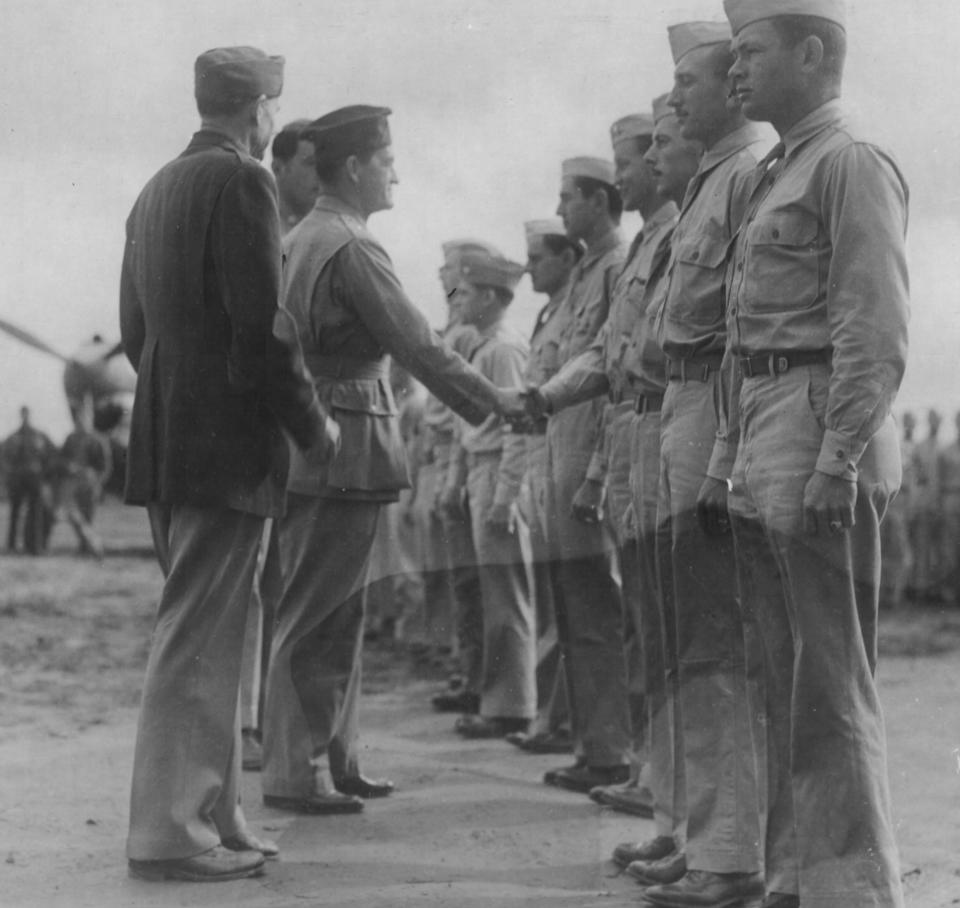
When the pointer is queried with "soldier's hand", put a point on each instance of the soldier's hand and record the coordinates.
(510, 404)
(331, 438)
(712, 511)
(498, 518)
(536, 404)
(588, 502)
(828, 503)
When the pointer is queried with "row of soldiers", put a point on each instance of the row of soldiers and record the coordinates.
(717, 393)
(44, 481)
(921, 534)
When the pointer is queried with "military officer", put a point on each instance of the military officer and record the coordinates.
(599, 369)
(27, 456)
(294, 168)
(350, 312)
(673, 161)
(722, 855)
(494, 458)
(198, 304)
(817, 319)
(586, 596)
(551, 256)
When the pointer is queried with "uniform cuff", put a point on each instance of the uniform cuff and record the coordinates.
(722, 460)
(839, 455)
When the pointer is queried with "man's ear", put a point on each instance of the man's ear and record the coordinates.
(352, 165)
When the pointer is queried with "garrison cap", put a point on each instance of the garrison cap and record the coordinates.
(660, 107)
(357, 129)
(592, 168)
(453, 249)
(685, 36)
(231, 74)
(544, 227)
(743, 12)
(485, 270)
(632, 126)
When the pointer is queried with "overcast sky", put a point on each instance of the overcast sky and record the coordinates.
(488, 98)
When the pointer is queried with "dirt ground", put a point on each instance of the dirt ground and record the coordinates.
(470, 825)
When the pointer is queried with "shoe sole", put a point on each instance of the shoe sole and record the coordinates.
(309, 810)
(168, 874)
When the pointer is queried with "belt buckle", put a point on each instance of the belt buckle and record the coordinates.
(779, 364)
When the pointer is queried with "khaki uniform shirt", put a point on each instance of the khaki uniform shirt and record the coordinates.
(820, 264)
(693, 316)
(501, 357)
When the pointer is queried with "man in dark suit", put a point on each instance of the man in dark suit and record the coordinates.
(351, 311)
(208, 457)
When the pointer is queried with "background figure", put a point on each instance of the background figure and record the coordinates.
(896, 544)
(927, 515)
(28, 459)
(85, 466)
(950, 485)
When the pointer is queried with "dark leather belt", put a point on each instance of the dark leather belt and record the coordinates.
(648, 403)
(345, 367)
(694, 368)
(776, 362)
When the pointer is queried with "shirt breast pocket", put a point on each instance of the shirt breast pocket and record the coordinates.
(700, 262)
(783, 265)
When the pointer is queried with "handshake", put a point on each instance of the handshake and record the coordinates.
(525, 409)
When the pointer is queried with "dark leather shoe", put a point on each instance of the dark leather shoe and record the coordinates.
(247, 841)
(461, 701)
(217, 865)
(653, 873)
(583, 778)
(702, 889)
(652, 850)
(363, 787)
(550, 776)
(545, 742)
(637, 800)
(781, 900)
(325, 803)
(488, 726)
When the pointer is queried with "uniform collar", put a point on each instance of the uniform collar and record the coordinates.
(663, 215)
(807, 127)
(606, 243)
(213, 138)
(729, 145)
(328, 202)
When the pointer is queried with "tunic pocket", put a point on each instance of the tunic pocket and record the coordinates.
(783, 262)
(700, 272)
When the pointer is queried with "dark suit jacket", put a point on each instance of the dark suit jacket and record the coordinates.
(198, 300)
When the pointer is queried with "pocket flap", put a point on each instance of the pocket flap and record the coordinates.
(785, 229)
(703, 251)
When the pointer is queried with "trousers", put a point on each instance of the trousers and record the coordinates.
(829, 833)
(186, 768)
(509, 624)
(716, 724)
(313, 683)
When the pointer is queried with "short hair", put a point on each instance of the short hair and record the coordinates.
(329, 168)
(559, 244)
(589, 186)
(222, 107)
(285, 143)
(793, 29)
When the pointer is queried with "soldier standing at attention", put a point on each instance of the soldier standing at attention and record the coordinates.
(551, 257)
(452, 591)
(27, 455)
(350, 313)
(215, 387)
(817, 316)
(586, 597)
(294, 168)
(720, 771)
(494, 458)
(673, 161)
